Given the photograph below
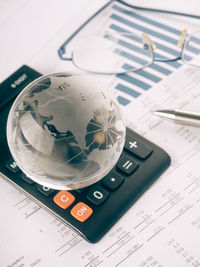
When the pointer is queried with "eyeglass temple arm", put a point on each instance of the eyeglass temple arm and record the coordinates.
(62, 49)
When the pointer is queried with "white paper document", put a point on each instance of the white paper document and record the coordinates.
(162, 228)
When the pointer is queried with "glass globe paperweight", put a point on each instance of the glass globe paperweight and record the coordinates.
(65, 131)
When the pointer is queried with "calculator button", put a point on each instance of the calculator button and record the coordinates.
(113, 180)
(97, 195)
(44, 190)
(27, 179)
(12, 166)
(126, 165)
(81, 212)
(137, 148)
(64, 199)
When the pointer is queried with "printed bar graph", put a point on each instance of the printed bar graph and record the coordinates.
(123, 19)
(128, 50)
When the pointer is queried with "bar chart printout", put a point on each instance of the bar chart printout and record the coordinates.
(118, 18)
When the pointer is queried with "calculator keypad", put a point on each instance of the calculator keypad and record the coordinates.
(94, 196)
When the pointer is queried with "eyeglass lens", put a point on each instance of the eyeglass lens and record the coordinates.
(192, 45)
(104, 54)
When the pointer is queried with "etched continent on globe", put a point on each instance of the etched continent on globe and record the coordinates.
(65, 131)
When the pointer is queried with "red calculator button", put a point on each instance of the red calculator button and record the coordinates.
(81, 212)
(64, 199)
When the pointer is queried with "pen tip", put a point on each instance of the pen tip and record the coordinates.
(164, 113)
(155, 112)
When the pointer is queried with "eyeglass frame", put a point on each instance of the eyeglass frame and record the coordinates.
(184, 37)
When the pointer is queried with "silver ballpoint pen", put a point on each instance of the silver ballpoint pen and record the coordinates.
(180, 116)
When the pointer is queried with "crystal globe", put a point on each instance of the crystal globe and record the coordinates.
(65, 131)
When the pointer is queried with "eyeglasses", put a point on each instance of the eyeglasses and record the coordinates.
(103, 53)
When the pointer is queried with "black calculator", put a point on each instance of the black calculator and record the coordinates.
(93, 210)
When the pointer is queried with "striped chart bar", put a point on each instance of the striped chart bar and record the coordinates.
(127, 90)
(123, 101)
(132, 85)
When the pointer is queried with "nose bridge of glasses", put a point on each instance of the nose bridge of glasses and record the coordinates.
(147, 42)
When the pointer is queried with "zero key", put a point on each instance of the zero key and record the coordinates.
(137, 148)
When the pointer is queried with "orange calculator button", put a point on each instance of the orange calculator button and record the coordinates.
(64, 199)
(81, 212)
